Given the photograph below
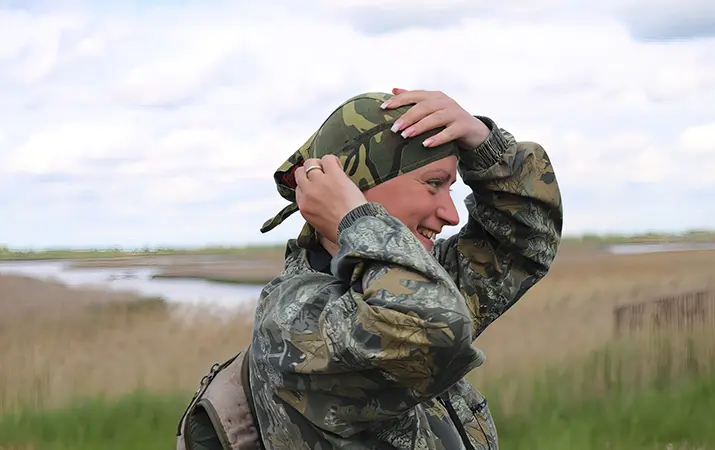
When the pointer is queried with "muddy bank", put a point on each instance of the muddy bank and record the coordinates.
(217, 268)
(241, 272)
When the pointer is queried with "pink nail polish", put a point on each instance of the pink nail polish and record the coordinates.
(396, 126)
(427, 142)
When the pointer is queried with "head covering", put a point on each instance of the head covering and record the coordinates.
(358, 133)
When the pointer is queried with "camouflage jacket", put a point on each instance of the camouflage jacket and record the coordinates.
(371, 350)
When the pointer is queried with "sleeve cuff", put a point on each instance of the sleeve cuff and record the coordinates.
(489, 152)
(366, 209)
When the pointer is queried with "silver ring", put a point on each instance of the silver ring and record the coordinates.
(311, 168)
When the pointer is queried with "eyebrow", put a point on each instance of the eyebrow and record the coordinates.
(442, 172)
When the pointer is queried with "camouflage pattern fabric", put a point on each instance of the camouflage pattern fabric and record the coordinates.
(358, 133)
(362, 358)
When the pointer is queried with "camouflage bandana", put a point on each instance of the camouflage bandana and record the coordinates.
(358, 133)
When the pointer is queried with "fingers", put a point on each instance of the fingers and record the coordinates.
(404, 97)
(301, 177)
(331, 164)
(419, 125)
(299, 196)
(447, 135)
(429, 106)
(414, 115)
(313, 167)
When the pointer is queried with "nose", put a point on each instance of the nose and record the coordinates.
(447, 211)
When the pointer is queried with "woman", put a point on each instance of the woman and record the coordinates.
(364, 339)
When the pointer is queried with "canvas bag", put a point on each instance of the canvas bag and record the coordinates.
(221, 414)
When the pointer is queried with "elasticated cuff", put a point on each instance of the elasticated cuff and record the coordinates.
(488, 152)
(366, 209)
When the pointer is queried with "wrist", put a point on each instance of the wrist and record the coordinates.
(479, 132)
(490, 151)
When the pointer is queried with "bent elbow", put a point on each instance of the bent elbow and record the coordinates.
(423, 355)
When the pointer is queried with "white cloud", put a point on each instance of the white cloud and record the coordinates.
(699, 140)
(33, 43)
(74, 147)
(160, 111)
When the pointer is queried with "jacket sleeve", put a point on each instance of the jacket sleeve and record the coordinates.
(392, 332)
(514, 225)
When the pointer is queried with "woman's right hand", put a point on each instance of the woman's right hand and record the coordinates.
(325, 195)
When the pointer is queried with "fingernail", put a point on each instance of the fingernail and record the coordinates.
(385, 105)
(428, 142)
(408, 133)
(396, 126)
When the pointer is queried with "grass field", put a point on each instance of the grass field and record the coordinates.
(84, 369)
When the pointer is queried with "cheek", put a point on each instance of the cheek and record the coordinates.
(411, 208)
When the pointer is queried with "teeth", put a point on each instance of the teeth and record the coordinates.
(429, 234)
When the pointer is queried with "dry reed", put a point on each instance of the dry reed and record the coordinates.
(58, 344)
(565, 331)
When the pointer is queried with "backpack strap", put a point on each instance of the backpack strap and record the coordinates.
(246, 383)
(222, 414)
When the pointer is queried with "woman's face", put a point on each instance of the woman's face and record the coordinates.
(421, 198)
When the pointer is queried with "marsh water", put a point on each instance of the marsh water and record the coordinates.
(139, 279)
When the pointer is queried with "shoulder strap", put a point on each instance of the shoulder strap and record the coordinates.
(246, 383)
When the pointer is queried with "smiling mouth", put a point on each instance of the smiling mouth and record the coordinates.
(429, 234)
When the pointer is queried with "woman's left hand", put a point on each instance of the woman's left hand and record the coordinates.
(434, 109)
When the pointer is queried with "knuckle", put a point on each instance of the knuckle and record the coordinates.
(441, 114)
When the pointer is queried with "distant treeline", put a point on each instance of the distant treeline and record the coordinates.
(8, 253)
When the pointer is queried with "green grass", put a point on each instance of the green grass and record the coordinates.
(680, 414)
(140, 421)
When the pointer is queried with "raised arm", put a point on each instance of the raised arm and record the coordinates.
(358, 352)
(514, 225)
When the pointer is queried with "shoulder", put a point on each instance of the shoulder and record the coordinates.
(298, 282)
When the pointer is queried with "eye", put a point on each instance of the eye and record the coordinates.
(436, 182)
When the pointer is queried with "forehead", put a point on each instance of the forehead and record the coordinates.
(445, 168)
(447, 165)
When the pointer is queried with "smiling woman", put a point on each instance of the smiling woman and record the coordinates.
(365, 338)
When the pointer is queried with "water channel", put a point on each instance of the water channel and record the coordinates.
(191, 291)
(137, 280)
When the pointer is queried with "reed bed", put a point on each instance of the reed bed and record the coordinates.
(63, 347)
(598, 326)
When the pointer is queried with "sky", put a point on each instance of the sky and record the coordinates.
(160, 123)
